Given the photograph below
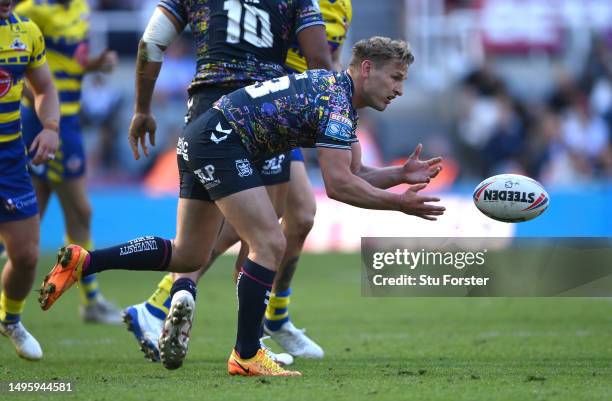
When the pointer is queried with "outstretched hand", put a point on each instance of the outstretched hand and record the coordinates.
(418, 205)
(417, 171)
(140, 125)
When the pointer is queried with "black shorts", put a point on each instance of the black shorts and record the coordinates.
(213, 163)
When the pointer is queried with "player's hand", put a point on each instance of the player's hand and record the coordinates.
(44, 146)
(140, 125)
(106, 61)
(419, 205)
(417, 171)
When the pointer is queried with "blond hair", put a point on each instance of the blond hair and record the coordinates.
(380, 50)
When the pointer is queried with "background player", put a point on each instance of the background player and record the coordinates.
(68, 56)
(237, 55)
(313, 109)
(22, 54)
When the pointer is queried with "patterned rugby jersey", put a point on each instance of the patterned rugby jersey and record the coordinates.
(307, 110)
(239, 42)
(65, 29)
(21, 47)
(337, 15)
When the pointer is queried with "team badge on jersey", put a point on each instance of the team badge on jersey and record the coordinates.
(339, 127)
(18, 45)
(244, 168)
(6, 82)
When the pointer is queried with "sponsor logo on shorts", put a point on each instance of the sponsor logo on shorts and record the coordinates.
(182, 147)
(273, 166)
(74, 163)
(206, 175)
(244, 168)
(21, 202)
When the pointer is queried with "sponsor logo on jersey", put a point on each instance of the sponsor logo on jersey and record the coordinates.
(244, 168)
(216, 139)
(339, 127)
(6, 82)
(182, 148)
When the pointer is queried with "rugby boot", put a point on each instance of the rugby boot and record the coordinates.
(67, 271)
(259, 365)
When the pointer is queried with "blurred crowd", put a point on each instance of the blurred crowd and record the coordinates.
(560, 137)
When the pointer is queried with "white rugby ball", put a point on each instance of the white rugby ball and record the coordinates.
(511, 198)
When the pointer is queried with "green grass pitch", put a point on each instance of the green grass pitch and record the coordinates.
(376, 348)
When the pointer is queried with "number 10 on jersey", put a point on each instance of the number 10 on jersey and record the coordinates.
(246, 26)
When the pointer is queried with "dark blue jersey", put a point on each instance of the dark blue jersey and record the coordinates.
(300, 110)
(239, 42)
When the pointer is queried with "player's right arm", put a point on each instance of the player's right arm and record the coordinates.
(163, 27)
(46, 100)
(343, 185)
(46, 104)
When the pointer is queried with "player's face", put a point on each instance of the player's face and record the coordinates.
(383, 83)
(5, 8)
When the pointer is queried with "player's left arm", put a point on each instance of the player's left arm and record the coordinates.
(46, 104)
(413, 171)
(313, 45)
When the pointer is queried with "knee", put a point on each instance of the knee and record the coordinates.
(84, 212)
(24, 258)
(299, 223)
(270, 246)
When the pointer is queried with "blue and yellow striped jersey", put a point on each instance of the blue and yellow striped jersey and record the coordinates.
(337, 15)
(65, 29)
(21, 47)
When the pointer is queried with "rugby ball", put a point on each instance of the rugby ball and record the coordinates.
(511, 198)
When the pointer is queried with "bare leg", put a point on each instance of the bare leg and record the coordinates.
(278, 197)
(21, 239)
(75, 204)
(297, 222)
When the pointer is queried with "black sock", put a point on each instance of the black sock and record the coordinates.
(183, 283)
(143, 253)
(254, 285)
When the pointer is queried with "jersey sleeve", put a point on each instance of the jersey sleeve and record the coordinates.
(176, 8)
(308, 14)
(336, 129)
(27, 9)
(37, 58)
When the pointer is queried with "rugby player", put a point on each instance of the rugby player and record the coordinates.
(67, 55)
(22, 55)
(145, 319)
(232, 52)
(314, 109)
